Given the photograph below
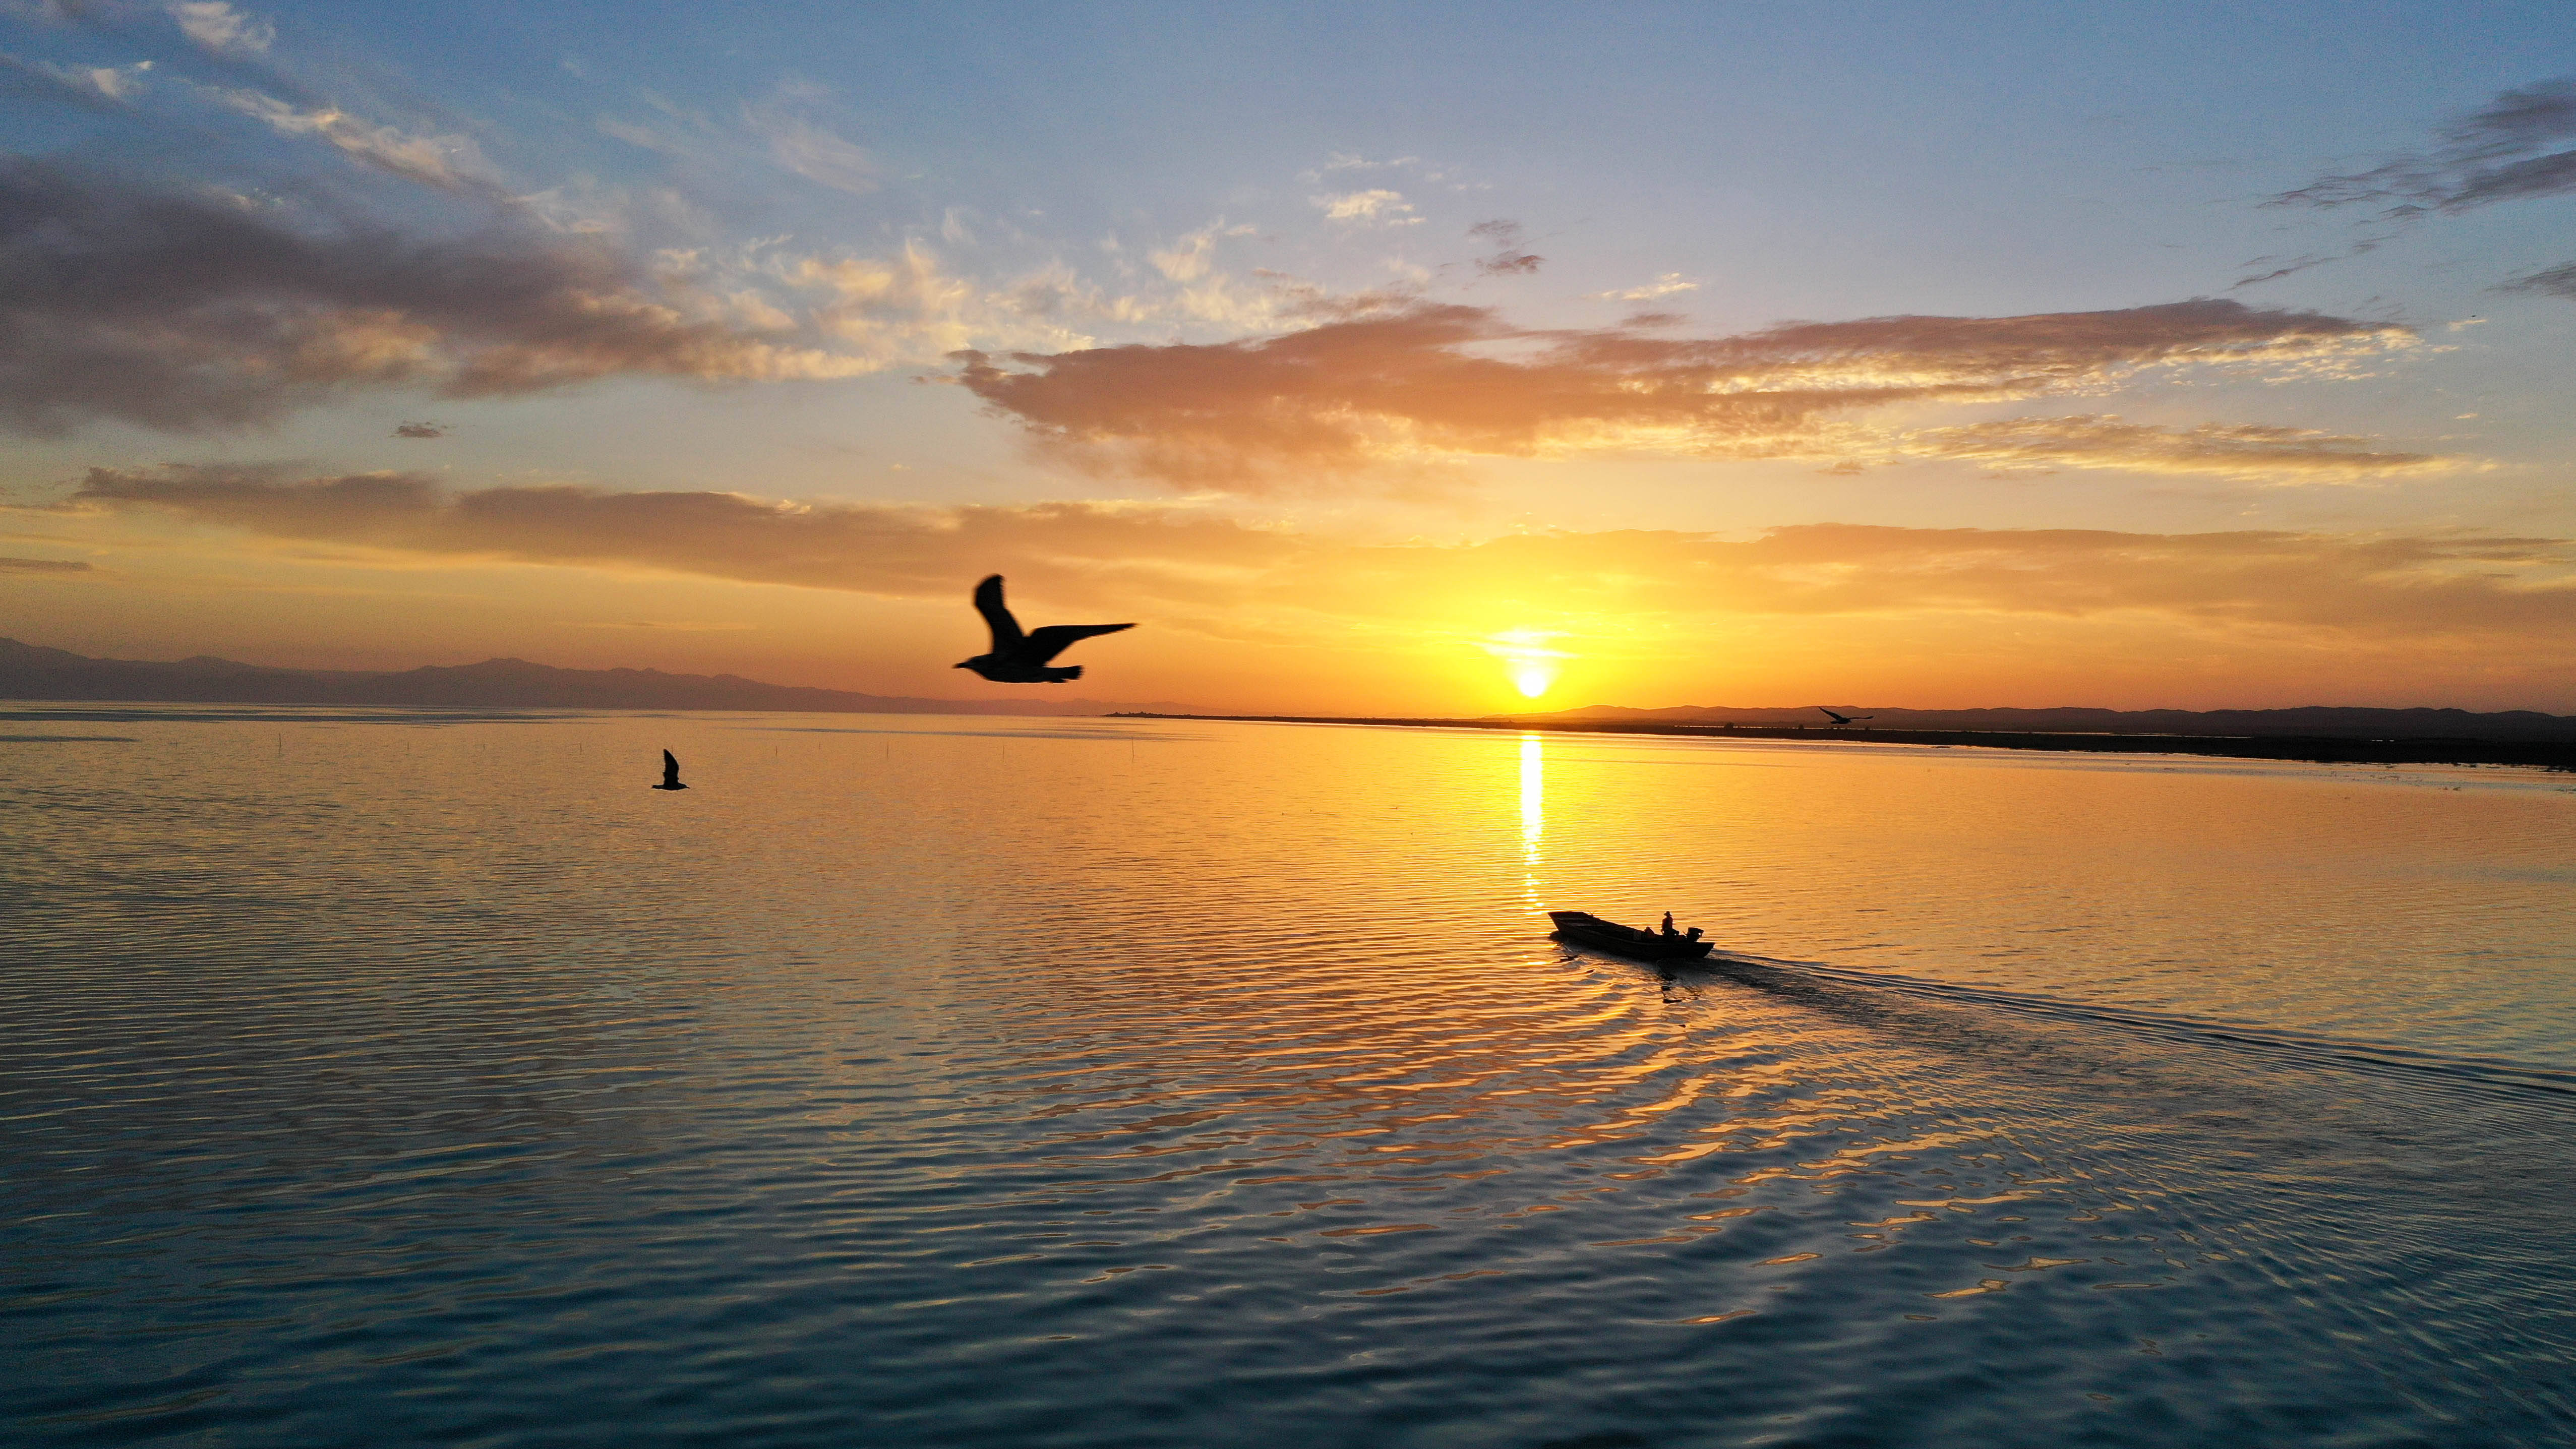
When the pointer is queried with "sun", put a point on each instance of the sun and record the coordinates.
(1530, 664)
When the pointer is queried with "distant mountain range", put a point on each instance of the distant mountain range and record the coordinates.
(29, 671)
(2315, 721)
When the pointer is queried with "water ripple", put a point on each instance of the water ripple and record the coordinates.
(960, 1084)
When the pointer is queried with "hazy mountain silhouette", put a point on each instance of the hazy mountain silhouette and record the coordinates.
(29, 671)
(2323, 721)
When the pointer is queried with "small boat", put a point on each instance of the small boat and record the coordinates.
(1586, 929)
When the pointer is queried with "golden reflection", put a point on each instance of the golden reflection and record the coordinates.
(1533, 810)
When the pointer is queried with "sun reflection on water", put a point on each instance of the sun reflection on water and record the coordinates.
(1533, 811)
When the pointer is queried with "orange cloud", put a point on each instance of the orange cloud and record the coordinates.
(1422, 383)
(2232, 450)
(882, 549)
(1229, 579)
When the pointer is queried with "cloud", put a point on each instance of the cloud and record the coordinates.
(95, 88)
(450, 163)
(644, 137)
(2507, 151)
(1508, 259)
(1190, 258)
(910, 307)
(1223, 574)
(189, 311)
(2231, 450)
(2512, 149)
(892, 550)
(812, 151)
(43, 566)
(1362, 208)
(420, 430)
(197, 309)
(1663, 286)
(788, 134)
(1345, 161)
(2388, 585)
(1428, 383)
(2295, 265)
(2557, 281)
(222, 29)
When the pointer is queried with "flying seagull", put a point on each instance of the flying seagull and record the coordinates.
(1019, 658)
(670, 773)
(1845, 718)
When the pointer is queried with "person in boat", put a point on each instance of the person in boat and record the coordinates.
(1669, 932)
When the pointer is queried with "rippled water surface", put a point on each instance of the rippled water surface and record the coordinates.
(373, 1078)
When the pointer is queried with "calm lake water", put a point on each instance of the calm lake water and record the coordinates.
(374, 1078)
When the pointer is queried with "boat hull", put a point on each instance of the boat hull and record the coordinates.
(1582, 928)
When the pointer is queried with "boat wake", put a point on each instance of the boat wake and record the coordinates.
(2498, 1074)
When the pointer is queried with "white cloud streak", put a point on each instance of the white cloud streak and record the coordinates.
(813, 151)
(450, 163)
(222, 29)
(1664, 286)
(1377, 206)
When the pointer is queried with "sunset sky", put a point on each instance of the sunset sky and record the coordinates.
(1372, 358)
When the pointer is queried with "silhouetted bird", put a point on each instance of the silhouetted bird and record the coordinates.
(1845, 718)
(1019, 658)
(670, 773)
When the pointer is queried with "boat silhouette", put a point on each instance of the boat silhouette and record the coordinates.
(1586, 929)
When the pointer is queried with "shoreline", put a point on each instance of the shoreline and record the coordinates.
(2316, 749)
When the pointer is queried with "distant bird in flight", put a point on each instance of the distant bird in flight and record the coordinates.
(670, 773)
(1019, 658)
(1845, 718)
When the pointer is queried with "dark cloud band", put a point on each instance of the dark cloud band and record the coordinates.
(184, 311)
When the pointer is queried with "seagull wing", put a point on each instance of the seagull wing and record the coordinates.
(988, 602)
(1054, 639)
(670, 768)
